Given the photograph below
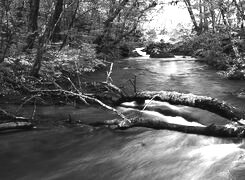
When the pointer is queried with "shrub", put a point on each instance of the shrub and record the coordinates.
(70, 60)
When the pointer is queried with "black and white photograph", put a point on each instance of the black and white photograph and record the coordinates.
(122, 90)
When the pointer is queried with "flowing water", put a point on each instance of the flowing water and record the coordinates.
(138, 153)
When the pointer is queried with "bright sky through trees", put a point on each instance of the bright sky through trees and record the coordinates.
(168, 17)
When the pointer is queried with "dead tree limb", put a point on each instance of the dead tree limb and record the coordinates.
(15, 125)
(203, 102)
(4, 115)
(16, 122)
(108, 78)
(88, 98)
(212, 130)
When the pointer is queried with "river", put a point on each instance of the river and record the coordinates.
(138, 153)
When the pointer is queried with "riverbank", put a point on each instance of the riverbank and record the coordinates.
(220, 51)
(178, 70)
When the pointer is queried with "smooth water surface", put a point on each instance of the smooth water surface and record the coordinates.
(138, 153)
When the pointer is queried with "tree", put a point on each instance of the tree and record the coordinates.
(32, 23)
(189, 7)
(44, 38)
(55, 32)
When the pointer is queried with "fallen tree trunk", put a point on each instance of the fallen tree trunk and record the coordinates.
(15, 125)
(203, 102)
(213, 130)
(175, 98)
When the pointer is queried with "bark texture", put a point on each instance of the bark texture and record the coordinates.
(203, 102)
(32, 24)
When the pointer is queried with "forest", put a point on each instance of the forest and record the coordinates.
(40, 32)
(49, 48)
(122, 89)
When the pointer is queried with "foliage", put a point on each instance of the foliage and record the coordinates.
(158, 46)
(28, 25)
(217, 50)
(79, 60)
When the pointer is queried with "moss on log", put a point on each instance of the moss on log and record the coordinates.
(203, 102)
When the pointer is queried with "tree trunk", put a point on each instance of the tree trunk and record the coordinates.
(113, 13)
(115, 97)
(44, 38)
(232, 129)
(38, 59)
(202, 102)
(240, 10)
(70, 25)
(201, 15)
(188, 5)
(222, 9)
(55, 31)
(205, 18)
(32, 24)
(212, 12)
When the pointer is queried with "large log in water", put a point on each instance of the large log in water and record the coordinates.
(229, 130)
(175, 98)
(203, 102)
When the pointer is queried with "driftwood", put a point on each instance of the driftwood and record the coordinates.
(10, 121)
(10, 117)
(15, 125)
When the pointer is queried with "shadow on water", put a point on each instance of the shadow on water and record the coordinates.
(138, 153)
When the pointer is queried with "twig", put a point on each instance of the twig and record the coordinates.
(57, 85)
(73, 85)
(133, 83)
(108, 78)
(34, 110)
(150, 102)
(26, 101)
(78, 77)
(79, 92)
(103, 105)
(86, 97)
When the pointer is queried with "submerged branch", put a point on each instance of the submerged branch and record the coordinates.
(212, 130)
